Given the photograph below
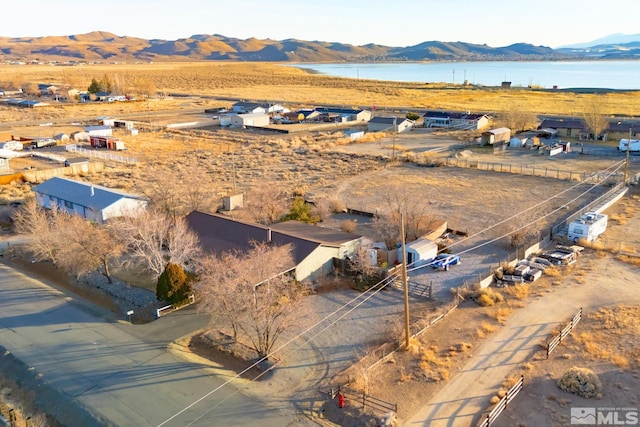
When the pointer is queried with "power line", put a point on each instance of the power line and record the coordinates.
(374, 290)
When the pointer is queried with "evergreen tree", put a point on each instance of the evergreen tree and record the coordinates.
(174, 284)
(94, 87)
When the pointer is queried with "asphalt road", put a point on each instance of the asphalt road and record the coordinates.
(121, 373)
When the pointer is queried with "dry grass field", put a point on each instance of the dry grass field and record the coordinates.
(274, 82)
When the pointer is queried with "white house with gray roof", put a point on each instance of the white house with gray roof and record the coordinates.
(93, 202)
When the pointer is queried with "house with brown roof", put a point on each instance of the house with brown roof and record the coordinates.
(567, 128)
(313, 248)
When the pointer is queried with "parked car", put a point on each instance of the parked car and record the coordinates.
(444, 261)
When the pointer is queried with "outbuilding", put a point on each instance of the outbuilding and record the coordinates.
(249, 120)
(389, 124)
(493, 136)
(419, 252)
(99, 130)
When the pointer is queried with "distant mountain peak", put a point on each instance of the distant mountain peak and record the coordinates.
(97, 46)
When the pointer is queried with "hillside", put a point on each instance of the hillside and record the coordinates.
(100, 46)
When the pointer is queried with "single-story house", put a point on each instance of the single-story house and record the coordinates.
(313, 248)
(245, 120)
(455, 120)
(494, 136)
(389, 124)
(93, 202)
(620, 130)
(344, 114)
(569, 128)
(248, 108)
(99, 130)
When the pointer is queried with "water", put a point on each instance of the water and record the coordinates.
(545, 74)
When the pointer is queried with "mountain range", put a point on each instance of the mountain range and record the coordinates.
(100, 46)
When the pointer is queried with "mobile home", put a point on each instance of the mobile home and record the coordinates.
(588, 227)
(633, 145)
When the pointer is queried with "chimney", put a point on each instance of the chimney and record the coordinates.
(269, 235)
(92, 192)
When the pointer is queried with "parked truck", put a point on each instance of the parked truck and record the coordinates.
(633, 144)
(588, 227)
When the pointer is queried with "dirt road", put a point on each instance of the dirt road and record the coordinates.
(463, 400)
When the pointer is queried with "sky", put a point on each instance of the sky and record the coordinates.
(551, 23)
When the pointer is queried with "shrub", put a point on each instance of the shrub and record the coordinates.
(581, 381)
(485, 300)
(349, 225)
(337, 206)
(174, 284)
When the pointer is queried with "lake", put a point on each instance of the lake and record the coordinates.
(546, 74)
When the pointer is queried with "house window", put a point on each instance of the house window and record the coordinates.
(569, 132)
(68, 204)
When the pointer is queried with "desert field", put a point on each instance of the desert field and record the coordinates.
(292, 86)
(323, 165)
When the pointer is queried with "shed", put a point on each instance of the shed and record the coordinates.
(419, 252)
(353, 135)
(495, 135)
(99, 130)
(244, 120)
(4, 165)
(76, 161)
(62, 137)
(81, 136)
(516, 143)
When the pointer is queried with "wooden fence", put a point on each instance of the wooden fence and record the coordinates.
(504, 402)
(564, 333)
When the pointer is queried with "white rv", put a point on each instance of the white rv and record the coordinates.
(633, 144)
(588, 227)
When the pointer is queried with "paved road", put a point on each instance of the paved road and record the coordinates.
(120, 372)
(462, 401)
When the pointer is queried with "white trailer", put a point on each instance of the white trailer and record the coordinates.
(588, 227)
(633, 144)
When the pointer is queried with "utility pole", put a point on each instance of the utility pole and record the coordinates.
(405, 285)
(626, 162)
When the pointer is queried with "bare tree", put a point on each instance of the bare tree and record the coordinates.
(518, 117)
(164, 195)
(402, 200)
(267, 203)
(41, 227)
(69, 241)
(593, 116)
(88, 246)
(155, 239)
(252, 293)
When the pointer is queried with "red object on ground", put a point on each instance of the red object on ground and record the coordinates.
(340, 400)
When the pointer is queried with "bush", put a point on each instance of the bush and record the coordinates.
(174, 284)
(581, 381)
(485, 300)
(349, 225)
